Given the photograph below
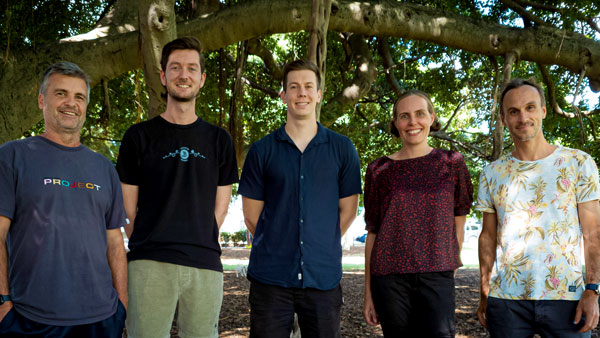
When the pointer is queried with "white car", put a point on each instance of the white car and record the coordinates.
(472, 229)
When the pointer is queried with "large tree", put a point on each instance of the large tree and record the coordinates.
(460, 51)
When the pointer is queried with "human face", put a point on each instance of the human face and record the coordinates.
(413, 120)
(523, 114)
(183, 77)
(301, 94)
(64, 104)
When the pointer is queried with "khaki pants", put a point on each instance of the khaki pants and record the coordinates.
(155, 288)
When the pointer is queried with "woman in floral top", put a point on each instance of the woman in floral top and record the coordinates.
(416, 202)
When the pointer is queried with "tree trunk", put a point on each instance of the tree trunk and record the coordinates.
(235, 111)
(157, 27)
(317, 45)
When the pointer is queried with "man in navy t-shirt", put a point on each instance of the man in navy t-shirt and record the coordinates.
(63, 270)
(300, 187)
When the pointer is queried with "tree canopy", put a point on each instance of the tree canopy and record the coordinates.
(459, 51)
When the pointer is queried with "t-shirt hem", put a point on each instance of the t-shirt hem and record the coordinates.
(46, 321)
(198, 265)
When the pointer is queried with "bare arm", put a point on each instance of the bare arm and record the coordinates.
(252, 210)
(4, 284)
(348, 207)
(222, 203)
(487, 257)
(589, 217)
(130, 200)
(368, 306)
(115, 253)
(459, 221)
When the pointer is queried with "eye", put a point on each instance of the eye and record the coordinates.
(403, 116)
(80, 97)
(420, 114)
(174, 68)
(192, 69)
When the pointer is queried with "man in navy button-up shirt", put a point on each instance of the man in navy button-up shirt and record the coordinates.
(300, 187)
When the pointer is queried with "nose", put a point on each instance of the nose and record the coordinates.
(301, 91)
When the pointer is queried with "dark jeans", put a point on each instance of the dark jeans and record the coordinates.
(14, 325)
(524, 318)
(272, 311)
(415, 304)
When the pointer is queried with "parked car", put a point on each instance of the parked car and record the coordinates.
(472, 229)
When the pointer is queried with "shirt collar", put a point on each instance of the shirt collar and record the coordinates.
(321, 136)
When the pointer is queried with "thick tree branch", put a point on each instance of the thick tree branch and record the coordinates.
(365, 74)
(523, 12)
(255, 47)
(498, 131)
(384, 51)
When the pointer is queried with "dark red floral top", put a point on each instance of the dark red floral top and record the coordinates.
(410, 205)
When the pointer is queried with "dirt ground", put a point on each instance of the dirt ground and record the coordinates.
(235, 312)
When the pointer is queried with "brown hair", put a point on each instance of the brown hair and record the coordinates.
(301, 65)
(516, 83)
(189, 42)
(435, 126)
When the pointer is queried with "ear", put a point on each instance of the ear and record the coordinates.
(543, 112)
(282, 95)
(202, 80)
(41, 101)
(503, 118)
(319, 95)
(163, 80)
(432, 119)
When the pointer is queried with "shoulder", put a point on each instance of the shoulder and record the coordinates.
(574, 154)
(448, 155)
(337, 138)
(98, 158)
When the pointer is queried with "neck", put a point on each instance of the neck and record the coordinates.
(301, 132)
(532, 150)
(412, 151)
(180, 112)
(67, 140)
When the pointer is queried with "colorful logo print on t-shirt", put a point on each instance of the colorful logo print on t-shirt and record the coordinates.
(71, 184)
(184, 154)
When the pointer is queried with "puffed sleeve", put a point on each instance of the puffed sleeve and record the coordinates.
(372, 207)
(463, 189)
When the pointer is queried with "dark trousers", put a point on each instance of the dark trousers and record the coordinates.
(272, 311)
(524, 318)
(14, 325)
(415, 304)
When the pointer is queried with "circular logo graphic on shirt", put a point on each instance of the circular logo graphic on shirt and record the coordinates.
(184, 153)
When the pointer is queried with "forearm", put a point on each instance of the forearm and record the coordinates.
(4, 283)
(130, 201)
(487, 257)
(117, 262)
(348, 207)
(252, 210)
(459, 221)
(370, 241)
(222, 203)
(592, 257)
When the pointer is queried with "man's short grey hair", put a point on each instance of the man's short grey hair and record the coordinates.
(64, 68)
(516, 83)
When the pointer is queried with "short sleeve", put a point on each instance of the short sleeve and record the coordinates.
(7, 182)
(463, 189)
(372, 206)
(586, 188)
(115, 217)
(228, 168)
(349, 177)
(128, 162)
(484, 198)
(252, 181)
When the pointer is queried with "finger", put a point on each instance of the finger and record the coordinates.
(481, 316)
(578, 314)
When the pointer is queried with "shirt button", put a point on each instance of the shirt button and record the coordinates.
(301, 220)
(301, 242)
(301, 177)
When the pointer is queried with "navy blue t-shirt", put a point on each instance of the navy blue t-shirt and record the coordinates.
(61, 200)
(297, 242)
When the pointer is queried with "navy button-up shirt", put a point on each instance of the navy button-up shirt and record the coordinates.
(297, 242)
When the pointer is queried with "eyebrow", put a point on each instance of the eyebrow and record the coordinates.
(298, 83)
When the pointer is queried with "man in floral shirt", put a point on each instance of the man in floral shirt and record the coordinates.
(538, 203)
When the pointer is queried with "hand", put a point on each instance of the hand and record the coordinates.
(588, 307)
(369, 310)
(481, 311)
(4, 309)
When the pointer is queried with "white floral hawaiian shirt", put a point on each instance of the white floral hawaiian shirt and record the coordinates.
(539, 237)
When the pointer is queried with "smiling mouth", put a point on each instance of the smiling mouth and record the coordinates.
(413, 132)
(70, 113)
(183, 86)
